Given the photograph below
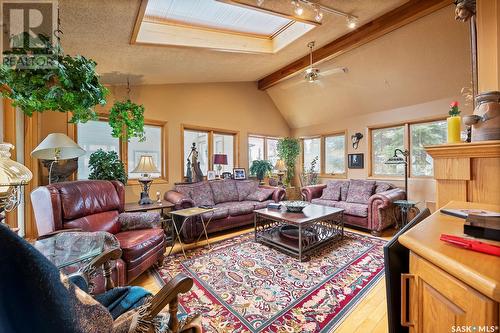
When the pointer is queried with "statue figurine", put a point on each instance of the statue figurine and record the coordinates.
(189, 174)
(196, 170)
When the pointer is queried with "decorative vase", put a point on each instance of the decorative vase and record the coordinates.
(454, 124)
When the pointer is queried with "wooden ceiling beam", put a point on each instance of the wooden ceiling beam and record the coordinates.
(396, 18)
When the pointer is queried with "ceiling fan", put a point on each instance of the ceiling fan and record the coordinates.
(313, 74)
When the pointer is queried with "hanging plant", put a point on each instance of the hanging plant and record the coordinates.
(58, 83)
(127, 120)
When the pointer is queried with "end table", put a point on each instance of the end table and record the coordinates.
(406, 206)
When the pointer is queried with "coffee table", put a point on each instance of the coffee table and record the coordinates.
(299, 234)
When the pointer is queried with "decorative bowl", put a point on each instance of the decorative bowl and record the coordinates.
(295, 206)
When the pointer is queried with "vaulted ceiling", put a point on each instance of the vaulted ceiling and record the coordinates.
(102, 30)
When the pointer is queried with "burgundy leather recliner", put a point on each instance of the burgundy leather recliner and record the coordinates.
(95, 205)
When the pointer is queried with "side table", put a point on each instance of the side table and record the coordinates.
(186, 214)
(406, 206)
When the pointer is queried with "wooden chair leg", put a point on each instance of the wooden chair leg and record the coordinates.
(173, 322)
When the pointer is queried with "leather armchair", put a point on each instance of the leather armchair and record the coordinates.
(98, 205)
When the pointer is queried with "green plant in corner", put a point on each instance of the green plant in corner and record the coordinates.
(310, 176)
(127, 120)
(107, 166)
(288, 151)
(52, 81)
(260, 168)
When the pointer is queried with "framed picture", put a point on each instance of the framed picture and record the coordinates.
(210, 175)
(355, 161)
(239, 173)
(227, 175)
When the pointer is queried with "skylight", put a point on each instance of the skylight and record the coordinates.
(215, 15)
(215, 25)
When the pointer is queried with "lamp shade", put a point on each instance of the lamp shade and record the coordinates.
(146, 165)
(395, 160)
(12, 173)
(280, 165)
(57, 146)
(220, 159)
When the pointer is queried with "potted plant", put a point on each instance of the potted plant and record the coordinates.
(310, 177)
(454, 123)
(288, 151)
(107, 166)
(261, 168)
(127, 120)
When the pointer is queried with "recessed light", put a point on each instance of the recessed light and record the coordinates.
(352, 22)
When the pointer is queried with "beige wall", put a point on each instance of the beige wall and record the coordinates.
(420, 189)
(232, 106)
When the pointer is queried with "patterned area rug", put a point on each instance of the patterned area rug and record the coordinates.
(243, 286)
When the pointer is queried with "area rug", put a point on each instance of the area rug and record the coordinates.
(243, 286)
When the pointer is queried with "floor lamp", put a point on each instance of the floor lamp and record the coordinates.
(397, 160)
(56, 147)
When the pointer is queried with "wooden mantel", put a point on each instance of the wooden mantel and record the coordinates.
(467, 172)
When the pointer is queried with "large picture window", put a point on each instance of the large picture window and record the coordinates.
(209, 141)
(335, 154)
(410, 136)
(95, 135)
(312, 151)
(330, 152)
(262, 148)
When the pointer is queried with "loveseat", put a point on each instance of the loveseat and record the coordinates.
(98, 205)
(235, 201)
(367, 204)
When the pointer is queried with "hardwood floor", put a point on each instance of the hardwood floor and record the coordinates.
(370, 315)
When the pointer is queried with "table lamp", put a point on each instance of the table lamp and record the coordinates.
(220, 160)
(396, 160)
(56, 147)
(13, 175)
(145, 167)
(281, 167)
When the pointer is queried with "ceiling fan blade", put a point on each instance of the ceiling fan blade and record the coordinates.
(339, 70)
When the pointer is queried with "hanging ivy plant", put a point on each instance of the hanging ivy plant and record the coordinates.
(60, 83)
(127, 120)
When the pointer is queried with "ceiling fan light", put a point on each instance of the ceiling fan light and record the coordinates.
(352, 22)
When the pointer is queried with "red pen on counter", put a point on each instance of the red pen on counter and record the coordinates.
(471, 244)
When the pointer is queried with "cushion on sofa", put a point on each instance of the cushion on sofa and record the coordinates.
(184, 189)
(360, 190)
(135, 243)
(202, 194)
(260, 194)
(218, 214)
(343, 190)
(236, 208)
(382, 187)
(259, 204)
(245, 188)
(352, 208)
(323, 202)
(224, 190)
(332, 190)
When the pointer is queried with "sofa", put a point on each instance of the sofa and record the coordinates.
(367, 204)
(235, 201)
(98, 205)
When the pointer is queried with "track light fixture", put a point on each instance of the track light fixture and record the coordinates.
(260, 2)
(298, 10)
(299, 7)
(352, 22)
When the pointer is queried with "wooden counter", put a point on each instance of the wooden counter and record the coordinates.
(447, 284)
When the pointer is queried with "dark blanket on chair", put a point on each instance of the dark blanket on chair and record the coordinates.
(122, 299)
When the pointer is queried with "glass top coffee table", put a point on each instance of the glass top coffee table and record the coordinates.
(299, 234)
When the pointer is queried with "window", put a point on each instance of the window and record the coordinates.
(262, 148)
(92, 136)
(423, 134)
(384, 142)
(312, 150)
(410, 136)
(335, 154)
(224, 144)
(150, 146)
(208, 142)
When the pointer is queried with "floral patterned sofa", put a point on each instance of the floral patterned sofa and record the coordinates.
(235, 201)
(367, 204)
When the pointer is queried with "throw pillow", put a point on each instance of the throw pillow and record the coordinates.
(382, 187)
(360, 191)
(142, 220)
(332, 190)
(261, 194)
(343, 191)
(224, 190)
(184, 189)
(202, 195)
(245, 188)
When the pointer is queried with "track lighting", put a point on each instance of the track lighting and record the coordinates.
(352, 22)
(298, 8)
(260, 2)
(319, 14)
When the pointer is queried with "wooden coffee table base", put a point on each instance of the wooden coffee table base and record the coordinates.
(298, 239)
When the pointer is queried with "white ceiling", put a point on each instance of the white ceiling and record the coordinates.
(101, 30)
